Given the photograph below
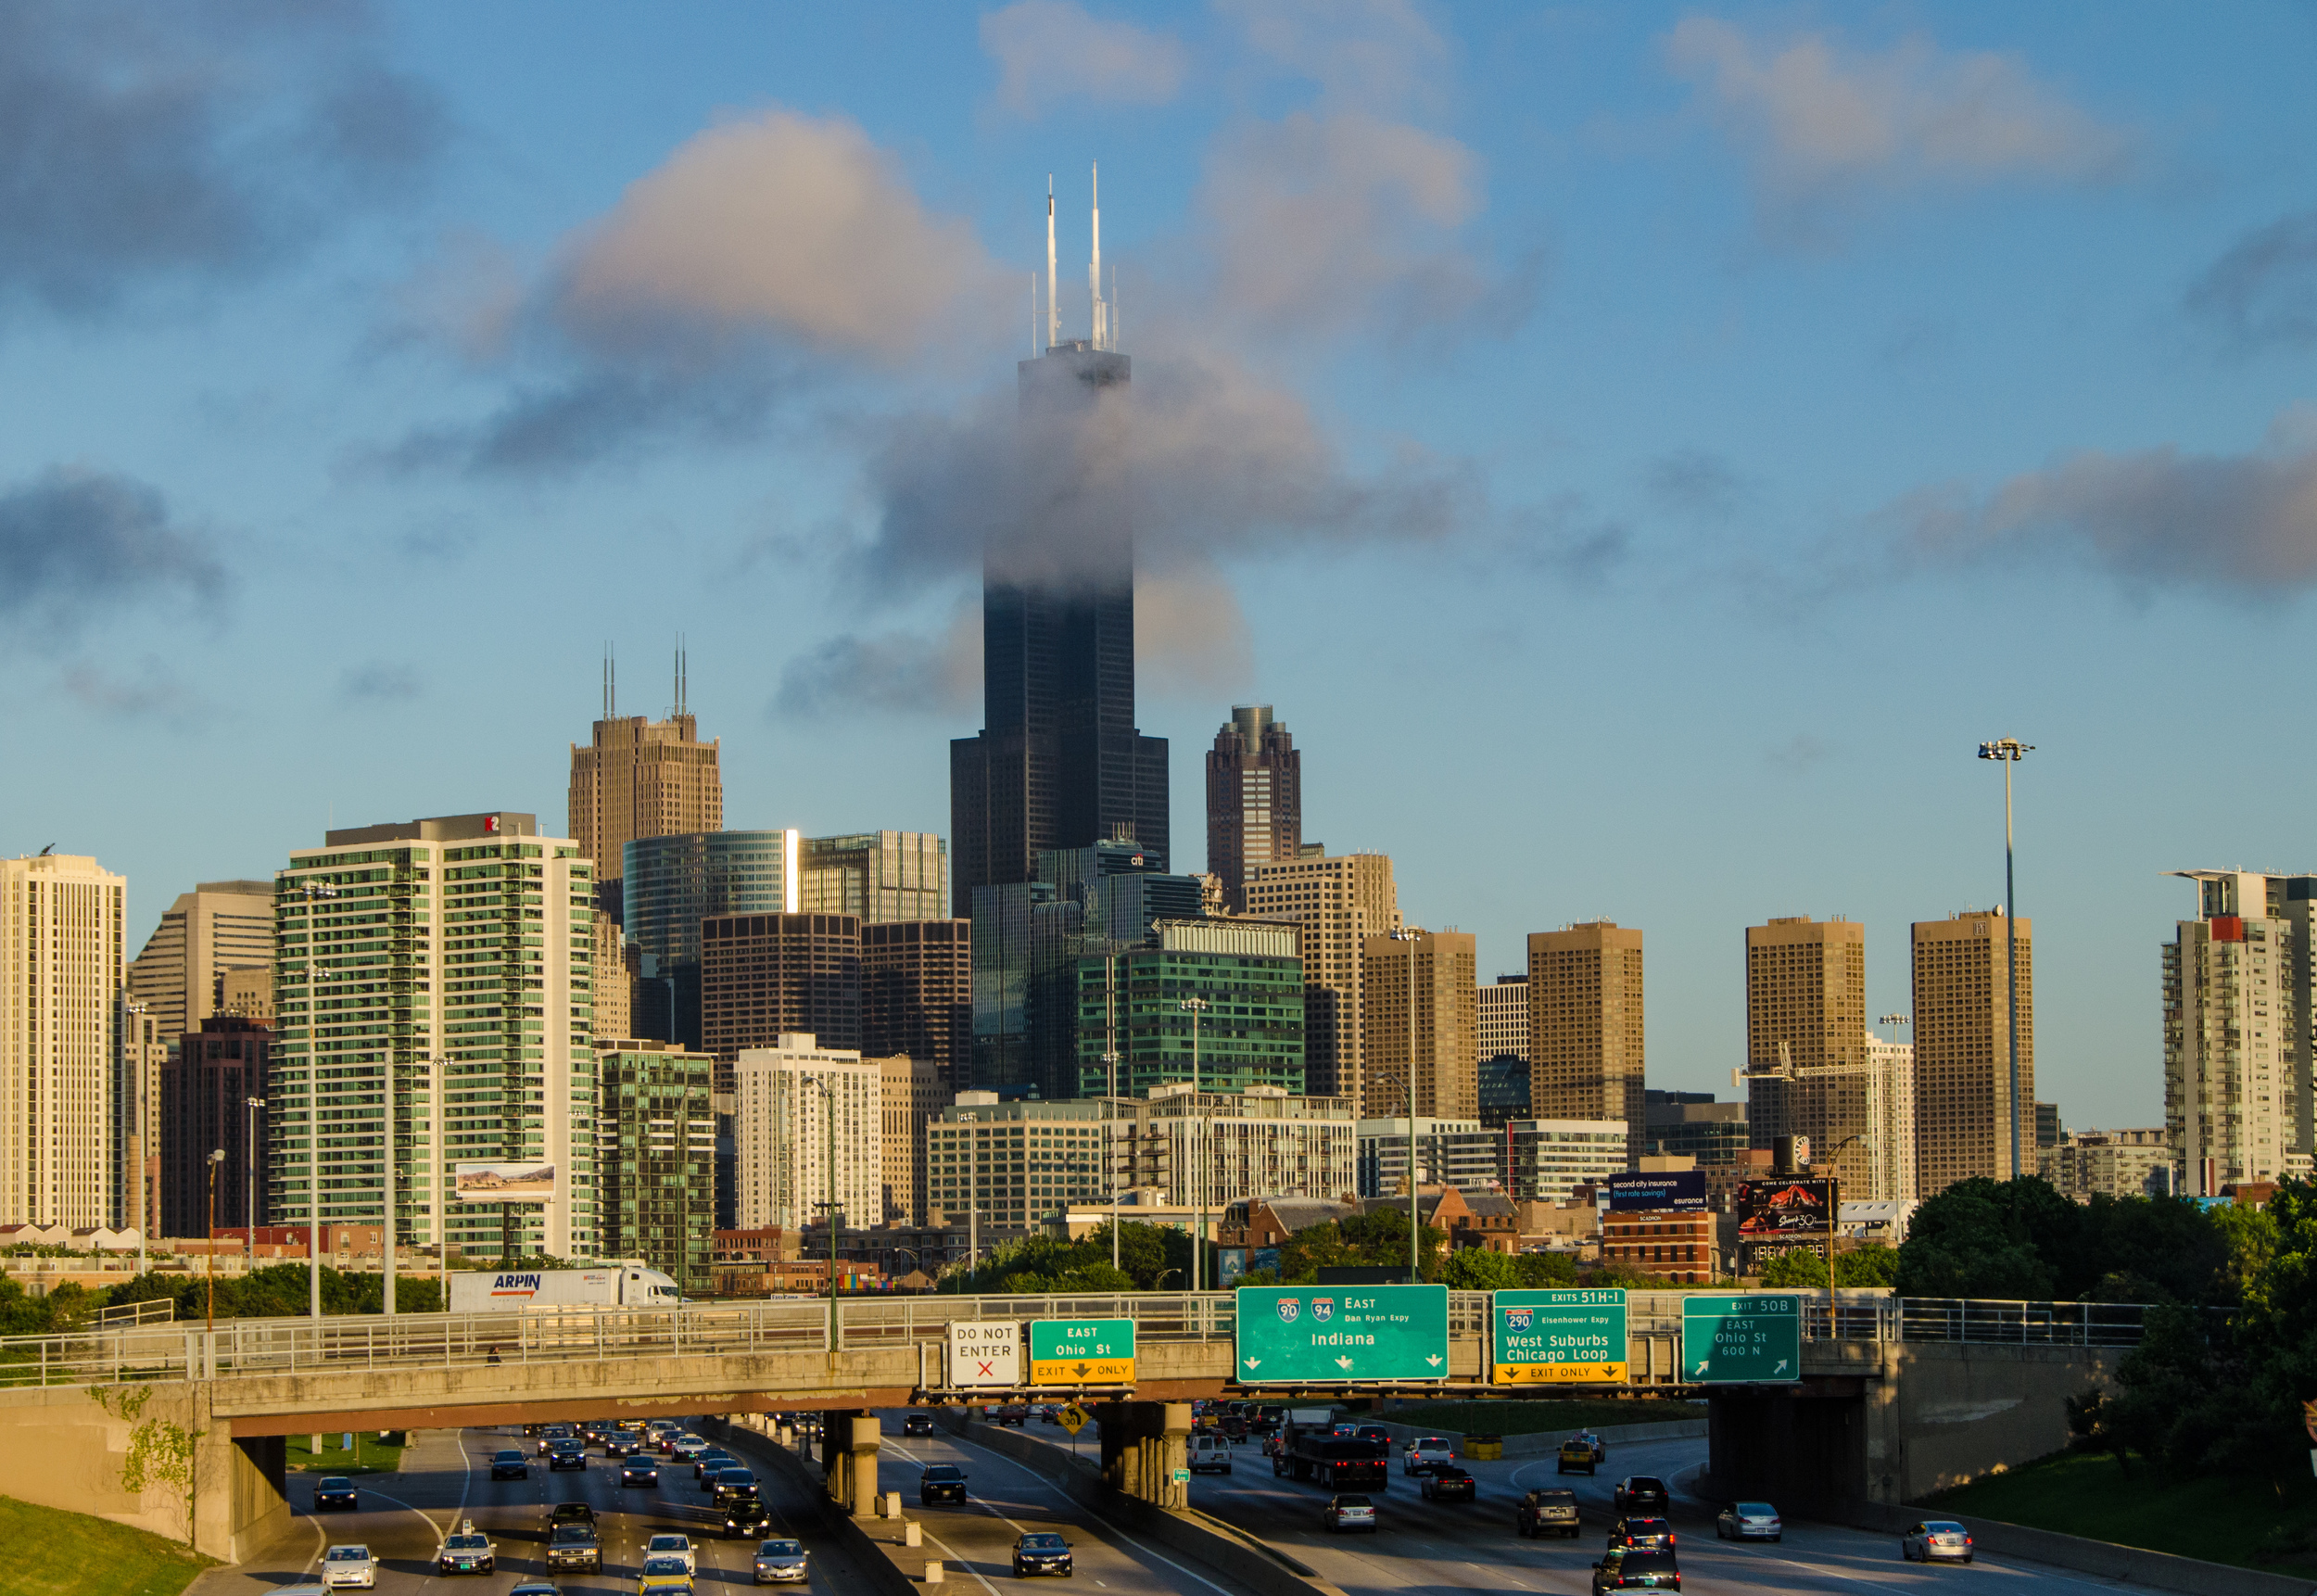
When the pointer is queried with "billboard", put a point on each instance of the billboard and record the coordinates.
(1783, 1211)
(504, 1182)
(1678, 1191)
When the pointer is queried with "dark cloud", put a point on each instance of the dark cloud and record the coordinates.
(2263, 291)
(148, 143)
(2240, 524)
(378, 681)
(934, 670)
(1695, 482)
(599, 412)
(75, 541)
(150, 693)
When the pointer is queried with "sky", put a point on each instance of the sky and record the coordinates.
(1639, 451)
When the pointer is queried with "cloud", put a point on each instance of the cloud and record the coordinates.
(781, 223)
(1191, 637)
(1823, 125)
(1373, 53)
(74, 541)
(911, 672)
(378, 681)
(2263, 289)
(141, 144)
(152, 692)
(1049, 51)
(2244, 525)
(1800, 753)
(1699, 483)
(1345, 224)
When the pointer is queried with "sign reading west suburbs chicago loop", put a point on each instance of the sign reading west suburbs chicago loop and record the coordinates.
(1340, 1335)
(1741, 1341)
(1556, 1338)
(1082, 1351)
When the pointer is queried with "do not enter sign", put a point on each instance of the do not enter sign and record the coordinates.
(984, 1352)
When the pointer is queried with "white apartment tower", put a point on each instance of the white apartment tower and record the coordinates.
(2236, 1102)
(1339, 902)
(807, 1130)
(62, 947)
(433, 989)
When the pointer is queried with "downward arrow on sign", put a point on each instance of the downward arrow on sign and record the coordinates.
(1434, 1360)
(1255, 1362)
(1343, 1363)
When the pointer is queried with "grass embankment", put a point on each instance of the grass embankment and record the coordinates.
(370, 1455)
(1529, 1418)
(52, 1552)
(2247, 1523)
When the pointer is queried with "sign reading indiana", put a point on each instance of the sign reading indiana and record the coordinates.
(1340, 1335)
(1559, 1337)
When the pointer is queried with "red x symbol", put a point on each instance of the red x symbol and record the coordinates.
(989, 1369)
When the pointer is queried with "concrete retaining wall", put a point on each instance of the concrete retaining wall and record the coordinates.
(874, 1557)
(2158, 1570)
(1544, 1443)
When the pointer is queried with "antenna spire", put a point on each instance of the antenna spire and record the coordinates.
(611, 682)
(1099, 332)
(1052, 309)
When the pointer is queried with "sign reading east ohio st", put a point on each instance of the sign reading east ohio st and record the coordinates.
(984, 1352)
(1340, 1335)
(1741, 1341)
(1560, 1337)
(1082, 1351)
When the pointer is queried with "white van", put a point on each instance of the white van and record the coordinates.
(1210, 1453)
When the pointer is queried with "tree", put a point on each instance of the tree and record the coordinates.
(1478, 1269)
(1543, 1271)
(1979, 1238)
(1797, 1267)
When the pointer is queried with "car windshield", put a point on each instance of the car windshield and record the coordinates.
(573, 1532)
(1944, 1528)
(780, 1549)
(1643, 1482)
(350, 1554)
(663, 1565)
(466, 1544)
(736, 1476)
(333, 1482)
(667, 1543)
(1646, 1562)
(1432, 1443)
(507, 1457)
(1353, 1501)
(1757, 1510)
(945, 1473)
(1042, 1543)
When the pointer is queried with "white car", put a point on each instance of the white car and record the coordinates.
(1749, 1521)
(1425, 1453)
(1349, 1513)
(689, 1447)
(350, 1566)
(673, 1546)
(1936, 1540)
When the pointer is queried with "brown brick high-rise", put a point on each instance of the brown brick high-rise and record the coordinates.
(916, 994)
(1806, 1006)
(641, 778)
(766, 976)
(1254, 800)
(1963, 1046)
(1584, 1026)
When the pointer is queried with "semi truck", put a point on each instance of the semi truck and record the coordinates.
(613, 1286)
(1322, 1453)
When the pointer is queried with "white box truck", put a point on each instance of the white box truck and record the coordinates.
(621, 1286)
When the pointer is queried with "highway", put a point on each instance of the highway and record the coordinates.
(1462, 1548)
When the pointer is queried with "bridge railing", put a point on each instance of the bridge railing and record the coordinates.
(105, 1355)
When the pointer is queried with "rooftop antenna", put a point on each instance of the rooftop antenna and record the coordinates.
(611, 682)
(679, 675)
(1052, 309)
(1098, 334)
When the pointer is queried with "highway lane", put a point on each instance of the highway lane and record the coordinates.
(1464, 1548)
(1006, 1499)
(445, 1480)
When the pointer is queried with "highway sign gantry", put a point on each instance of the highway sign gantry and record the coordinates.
(1741, 1341)
(1559, 1337)
(1082, 1351)
(985, 1352)
(1340, 1335)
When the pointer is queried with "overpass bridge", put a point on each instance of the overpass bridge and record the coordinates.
(1897, 1396)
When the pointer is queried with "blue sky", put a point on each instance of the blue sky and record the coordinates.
(1640, 450)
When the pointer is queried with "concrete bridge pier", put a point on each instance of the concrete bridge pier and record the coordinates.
(849, 1442)
(1142, 1445)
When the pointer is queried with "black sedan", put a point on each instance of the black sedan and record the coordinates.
(622, 1444)
(509, 1465)
(747, 1516)
(1623, 1570)
(335, 1492)
(642, 1470)
(943, 1482)
(563, 1454)
(1644, 1532)
(1041, 1554)
(1449, 1483)
(918, 1425)
(1641, 1493)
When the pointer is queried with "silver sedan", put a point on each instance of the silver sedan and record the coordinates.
(1936, 1540)
(1749, 1521)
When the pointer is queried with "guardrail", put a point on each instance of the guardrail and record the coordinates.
(107, 1355)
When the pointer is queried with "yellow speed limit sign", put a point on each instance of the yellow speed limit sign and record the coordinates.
(1074, 1418)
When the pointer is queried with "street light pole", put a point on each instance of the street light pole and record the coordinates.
(249, 1185)
(1109, 1106)
(2009, 751)
(217, 1156)
(1196, 1006)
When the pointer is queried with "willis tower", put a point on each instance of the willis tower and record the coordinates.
(1059, 763)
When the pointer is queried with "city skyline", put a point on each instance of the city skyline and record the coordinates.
(1831, 400)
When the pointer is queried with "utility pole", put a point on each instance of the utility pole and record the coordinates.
(2009, 751)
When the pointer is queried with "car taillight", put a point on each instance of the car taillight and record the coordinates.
(1967, 1541)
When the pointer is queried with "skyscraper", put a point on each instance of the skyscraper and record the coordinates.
(1806, 1045)
(2236, 1080)
(66, 1146)
(766, 976)
(674, 882)
(433, 981)
(1585, 1048)
(218, 926)
(810, 1129)
(1434, 969)
(1254, 799)
(220, 1065)
(1059, 762)
(1963, 1107)
(1337, 901)
(1249, 1034)
(655, 1155)
(641, 777)
(917, 996)
(879, 876)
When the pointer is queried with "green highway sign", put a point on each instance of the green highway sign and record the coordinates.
(1082, 1351)
(1741, 1341)
(1559, 1337)
(1340, 1335)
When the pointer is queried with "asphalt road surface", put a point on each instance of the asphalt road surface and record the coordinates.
(446, 1478)
(1471, 1547)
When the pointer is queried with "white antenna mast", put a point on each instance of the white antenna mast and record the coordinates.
(1098, 334)
(1053, 310)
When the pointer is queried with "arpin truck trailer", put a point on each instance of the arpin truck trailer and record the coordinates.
(1310, 1449)
(613, 1286)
